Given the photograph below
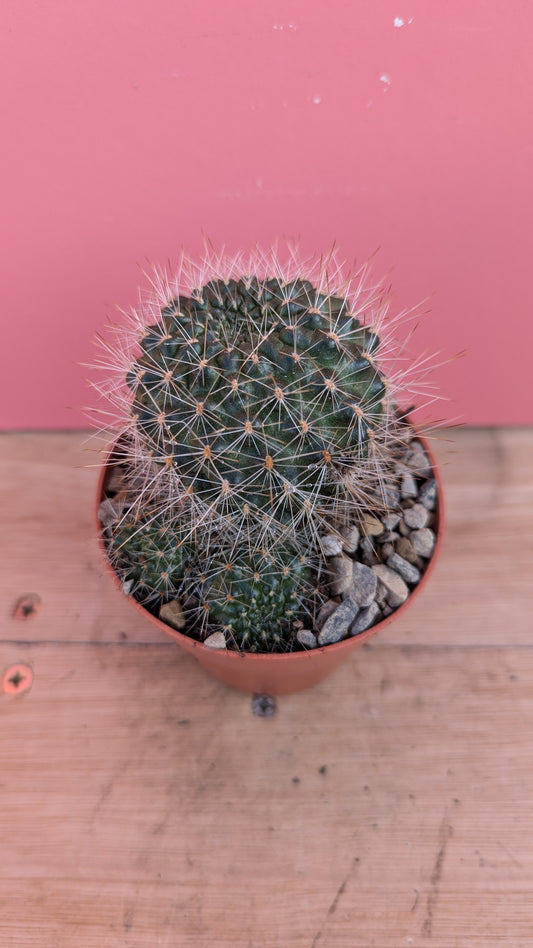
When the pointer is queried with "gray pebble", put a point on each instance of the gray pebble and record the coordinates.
(391, 496)
(116, 481)
(409, 488)
(391, 520)
(368, 552)
(325, 611)
(416, 516)
(388, 536)
(306, 638)
(381, 595)
(427, 494)
(397, 591)
(216, 640)
(336, 627)
(423, 541)
(364, 585)
(406, 570)
(387, 549)
(367, 617)
(331, 545)
(350, 538)
(109, 511)
(418, 461)
(341, 573)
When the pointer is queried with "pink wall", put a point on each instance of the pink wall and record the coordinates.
(132, 126)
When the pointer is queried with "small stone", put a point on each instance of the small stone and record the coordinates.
(336, 627)
(350, 538)
(404, 529)
(116, 480)
(406, 550)
(397, 591)
(391, 496)
(331, 545)
(381, 594)
(409, 488)
(364, 585)
(418, 461)
(406, 570)
(387, 550)
(306, 638)
(391, 520)
(172, 613)
(109, 511)
(423, 541)
(325, 611)
(427, 494)
(367, 617)
(416, 516)
(127, 586)
(341, 573)
(216, 640)
(388, 536)
(372, 526)
(368, 552)
(387, 611)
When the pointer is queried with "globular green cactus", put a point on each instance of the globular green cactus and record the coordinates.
(256, 598)
(150, 555)
(255, 418)
(261, 396)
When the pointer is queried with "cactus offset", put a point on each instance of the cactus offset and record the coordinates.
(256, 598)
(150, 555)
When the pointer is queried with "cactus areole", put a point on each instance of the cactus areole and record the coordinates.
(256, 419)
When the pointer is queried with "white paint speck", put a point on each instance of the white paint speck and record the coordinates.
(277, 26)
(398, 22)
(386, 80)
(259, 183)
(317, 100)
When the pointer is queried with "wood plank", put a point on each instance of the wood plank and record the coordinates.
(481, 590)
(145, 805)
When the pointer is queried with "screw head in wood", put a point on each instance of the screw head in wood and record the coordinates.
(17, 679)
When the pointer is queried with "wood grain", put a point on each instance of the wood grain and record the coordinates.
(144, 805)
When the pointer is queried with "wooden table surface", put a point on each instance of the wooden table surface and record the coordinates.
(144, 804)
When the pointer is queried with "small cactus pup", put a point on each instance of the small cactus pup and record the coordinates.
(264, 461)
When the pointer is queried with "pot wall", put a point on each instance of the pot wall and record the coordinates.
(279, 674)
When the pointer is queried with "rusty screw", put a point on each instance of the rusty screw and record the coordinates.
(17, 679)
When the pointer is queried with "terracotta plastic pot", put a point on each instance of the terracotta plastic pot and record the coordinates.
(283, 673)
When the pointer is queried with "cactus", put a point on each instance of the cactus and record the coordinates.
(256, 598)
(151, 556)
(256, 418)
(261, 397)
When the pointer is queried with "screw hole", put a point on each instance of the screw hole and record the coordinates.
(26, 606)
